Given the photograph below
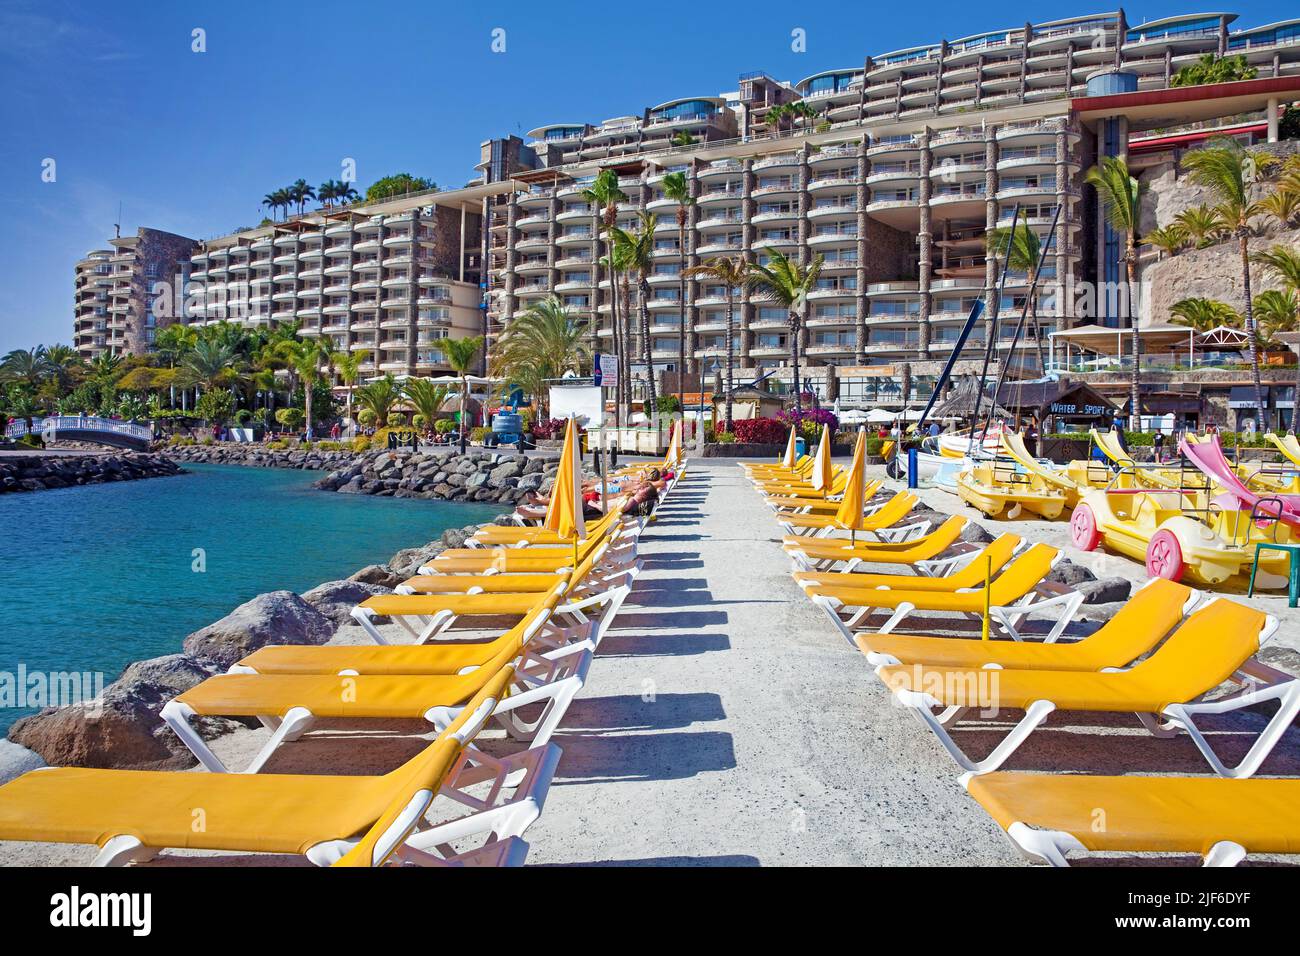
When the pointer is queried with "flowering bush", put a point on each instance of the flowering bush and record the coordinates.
(552, 428)
(763, 431)
(809, 420)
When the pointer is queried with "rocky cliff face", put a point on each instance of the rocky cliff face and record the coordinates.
(1213, 273)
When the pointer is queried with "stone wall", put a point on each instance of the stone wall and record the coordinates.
(258, 456)
(475, 476)
(42, 472)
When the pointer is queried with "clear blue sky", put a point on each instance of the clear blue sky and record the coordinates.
(190, 142)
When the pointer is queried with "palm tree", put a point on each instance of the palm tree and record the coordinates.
(542, 343)
(326, 193)
(28, 366)
(349, 369)
(344, 193)
(1284, 264)
(1168, 239)
(1121, 195)
(63, 363)
(380, 397)
(461, 355)
(1204, 226)
(1204, 314)
(799, 110)
(306, 358)
(1020, 251)
(732, 272)
(638, 252)
(1283, 205)
(1275, 311)
(212, 363)
(300, 193)
(678, 189)
(427, 397)
(273, 201)
(787, 283)
(1222, 168)
(603, 197)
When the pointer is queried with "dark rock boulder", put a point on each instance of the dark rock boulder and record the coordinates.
(277, 617)
(336, 599)
(122, 728)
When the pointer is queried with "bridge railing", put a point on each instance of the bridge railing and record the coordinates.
(80, 423)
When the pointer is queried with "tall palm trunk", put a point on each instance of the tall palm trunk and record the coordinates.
(681, 302)
(1135, 408)
(731, 362)
(795, 325)
(464, 390)
(625, 331)
(1243, 239)
(647, 353)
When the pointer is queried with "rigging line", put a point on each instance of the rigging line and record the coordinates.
(1020, 325)
(992, 335)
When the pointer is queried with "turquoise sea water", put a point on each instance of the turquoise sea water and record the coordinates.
(98, 576)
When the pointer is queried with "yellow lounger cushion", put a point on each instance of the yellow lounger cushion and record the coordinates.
(344, 696)
(1197, 658)
(998, 553)
(876, 552)
(1137, 627)
(392, 605)
(1154, 814)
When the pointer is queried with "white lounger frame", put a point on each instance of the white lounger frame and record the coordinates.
(551, 677)
(1007, 618)
(1258, 682)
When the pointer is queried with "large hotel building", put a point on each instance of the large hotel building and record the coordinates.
(912, 157)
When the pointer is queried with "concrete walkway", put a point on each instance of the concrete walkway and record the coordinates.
(725, 722)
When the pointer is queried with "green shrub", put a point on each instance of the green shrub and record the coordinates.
(419, 422)
(291, 418)
(329, 446)
(874, 444)
(479, 433)
(444, 425)
(208, 440)
(243, 417)
(280, 444)
(726, 438)
(367, 417)
(361, 443)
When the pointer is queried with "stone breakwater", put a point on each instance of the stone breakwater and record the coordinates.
(258, 456)
(122, 727)
(41, 472)
(476, 475)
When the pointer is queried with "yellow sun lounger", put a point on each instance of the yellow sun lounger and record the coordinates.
(427, 616)
(1166, 690)
(289, 703)
(971, 575)
(530, 560)
(821, 506)
(1047, 816)
(839, 479)
(1013, 595)
(451, 657)
(879, 524)
(332, 820)
(922, 553)
(515, 536)
(1142, 623)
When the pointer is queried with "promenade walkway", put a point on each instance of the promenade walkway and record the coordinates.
(725, 722)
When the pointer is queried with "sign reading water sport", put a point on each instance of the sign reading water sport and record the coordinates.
(1073, 408)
